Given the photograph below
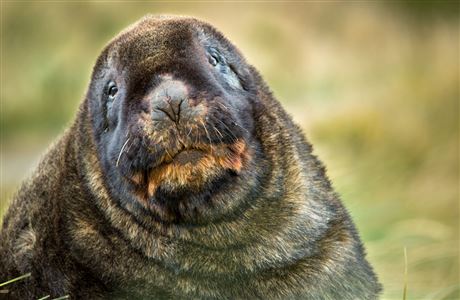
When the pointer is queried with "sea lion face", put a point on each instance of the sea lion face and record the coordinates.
(171, 104)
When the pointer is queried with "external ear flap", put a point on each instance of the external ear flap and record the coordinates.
(241, 78)
(244, 75)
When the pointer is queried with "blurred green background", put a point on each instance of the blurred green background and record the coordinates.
(375, 86)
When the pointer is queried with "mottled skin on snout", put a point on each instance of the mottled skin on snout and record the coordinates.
(182, 177)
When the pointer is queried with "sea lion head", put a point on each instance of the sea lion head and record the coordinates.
(172, 110)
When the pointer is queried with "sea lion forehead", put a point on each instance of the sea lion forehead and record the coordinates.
(162, 35)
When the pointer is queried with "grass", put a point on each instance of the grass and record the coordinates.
(22, 277)
(405, 274)
(15, 279)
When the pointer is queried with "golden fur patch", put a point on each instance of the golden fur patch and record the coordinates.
(192, 174)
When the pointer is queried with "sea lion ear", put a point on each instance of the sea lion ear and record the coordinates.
(246, 79)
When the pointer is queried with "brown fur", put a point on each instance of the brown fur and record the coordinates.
(278, 230)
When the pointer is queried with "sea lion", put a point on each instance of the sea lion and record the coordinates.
(181, 177)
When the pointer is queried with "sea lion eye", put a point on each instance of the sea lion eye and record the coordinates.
(213, 60)
(112, 89)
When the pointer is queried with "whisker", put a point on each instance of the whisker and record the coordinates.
(190, 131)
(167, 152)
(218, 133)
(241, 127)
(197, 138)
(223, 106)
(207, 134)
(228, 129)
(129, 147)
(121, 151)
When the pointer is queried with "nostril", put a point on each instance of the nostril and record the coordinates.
(169, 107)
(167, 100)
(169, 112)
(175, 106)
(178, 109)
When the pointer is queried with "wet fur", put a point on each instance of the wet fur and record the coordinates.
(270, 226)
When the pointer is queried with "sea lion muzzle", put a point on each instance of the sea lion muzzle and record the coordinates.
(188, 140)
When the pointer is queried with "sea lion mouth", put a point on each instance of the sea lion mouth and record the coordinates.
(189, 168)
(187, 156)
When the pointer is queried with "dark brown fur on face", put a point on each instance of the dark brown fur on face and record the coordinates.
(181, 177)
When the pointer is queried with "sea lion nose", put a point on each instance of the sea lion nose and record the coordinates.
(169, 100)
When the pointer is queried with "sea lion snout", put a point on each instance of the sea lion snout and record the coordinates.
(187, 136)
(170, 101)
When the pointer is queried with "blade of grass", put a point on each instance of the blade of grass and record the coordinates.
(15, 279)
(43, 298)
(405, 274)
